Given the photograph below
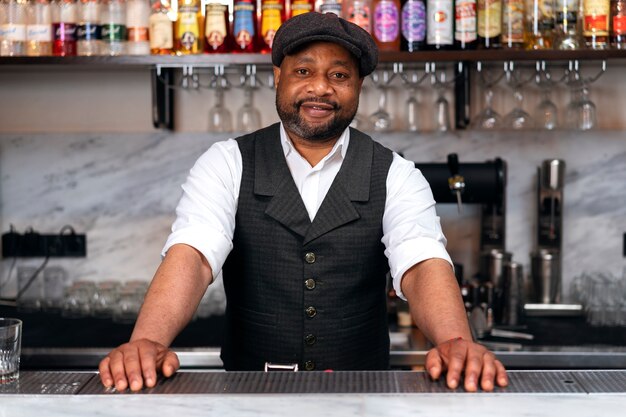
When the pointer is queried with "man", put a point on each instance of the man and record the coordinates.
(305, 218)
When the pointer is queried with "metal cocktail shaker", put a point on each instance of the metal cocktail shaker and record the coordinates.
(546, 273)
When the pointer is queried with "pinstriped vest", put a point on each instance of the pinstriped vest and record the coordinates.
(311, 293)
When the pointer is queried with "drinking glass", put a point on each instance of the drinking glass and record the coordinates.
(10, 346)
(488, 118)
(442, 106)
(220, 119)
(517, 118)
(381, 119)
(412, 79)
(585, 111)
(248, 116)
(546, 113)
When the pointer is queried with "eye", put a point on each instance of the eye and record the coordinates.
(302, 71)
(340, 75)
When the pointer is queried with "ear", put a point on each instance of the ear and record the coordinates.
(276, 76)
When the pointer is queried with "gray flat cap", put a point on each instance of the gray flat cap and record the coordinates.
(313, 26)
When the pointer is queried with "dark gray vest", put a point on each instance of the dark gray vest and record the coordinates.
(311, 293)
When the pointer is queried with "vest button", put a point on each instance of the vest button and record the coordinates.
(309, 365)
(309, 284)
(310, 339)
(309, 257)
(310, 311)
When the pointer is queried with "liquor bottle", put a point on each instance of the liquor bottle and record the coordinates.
(489, 23)
(272, 16)
(413, 30)
(465, 35)
(13, 28)
(114, 27)
(440, 24)
(513, 20)
(596, 15)
(244, 25)
(328, 6)
(618, 27)
(567, 35)
(137, 23)
(189, 28)
(297, 7)
(386, 24)
(539, 31)
(64, 28)
(161, 28)
(358, 12)
(89, 30)
(39, 29)
(217, 37)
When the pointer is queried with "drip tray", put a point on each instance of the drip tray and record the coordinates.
(368, 382)
(52, 383)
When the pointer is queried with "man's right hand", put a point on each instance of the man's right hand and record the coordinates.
(136, 364)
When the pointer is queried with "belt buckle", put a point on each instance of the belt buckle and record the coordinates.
(281, 367)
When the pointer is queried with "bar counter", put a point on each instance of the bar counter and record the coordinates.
(380, 393)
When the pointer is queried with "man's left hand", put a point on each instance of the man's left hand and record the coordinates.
(477, 363)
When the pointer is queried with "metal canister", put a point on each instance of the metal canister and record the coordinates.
(512, 295)
(491, 264)
(546, 276)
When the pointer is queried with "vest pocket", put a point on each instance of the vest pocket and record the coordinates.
(367, 318)
(255, 318)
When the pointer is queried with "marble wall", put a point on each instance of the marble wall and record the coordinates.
(121, 190)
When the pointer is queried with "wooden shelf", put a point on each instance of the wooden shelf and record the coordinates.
(265, 59)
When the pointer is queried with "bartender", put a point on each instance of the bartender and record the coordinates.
(304, 219)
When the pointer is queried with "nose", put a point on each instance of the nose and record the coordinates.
(319, 85)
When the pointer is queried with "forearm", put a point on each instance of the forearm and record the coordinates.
(173, 296)
(435, 301)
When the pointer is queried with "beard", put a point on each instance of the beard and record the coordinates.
(292, 120)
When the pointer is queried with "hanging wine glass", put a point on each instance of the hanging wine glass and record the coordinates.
(546, 113)
(488, 118)
(381, 119)
(248, 116)
(412, 79)
(220, 119)
(442, 106)
(517, 118)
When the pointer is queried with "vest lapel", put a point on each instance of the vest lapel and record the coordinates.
(352, 183)
(273, 179)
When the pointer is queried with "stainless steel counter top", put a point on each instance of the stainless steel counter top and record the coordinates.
(408, 351)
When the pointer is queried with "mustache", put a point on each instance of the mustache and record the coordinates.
(334, 104)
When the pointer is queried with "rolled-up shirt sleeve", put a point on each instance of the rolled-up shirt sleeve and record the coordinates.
(205, 215)
(411, 228)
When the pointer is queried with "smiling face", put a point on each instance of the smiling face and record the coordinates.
(317, 91)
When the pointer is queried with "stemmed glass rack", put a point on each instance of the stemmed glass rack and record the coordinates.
(166, 70)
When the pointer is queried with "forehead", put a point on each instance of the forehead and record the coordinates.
(323, 53)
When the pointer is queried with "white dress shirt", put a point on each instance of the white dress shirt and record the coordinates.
(206, 211)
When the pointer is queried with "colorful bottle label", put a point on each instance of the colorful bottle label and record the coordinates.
(513, 21)
(414, 21)
(188, 28)
(439, 26)
(137, 34)
(39, 33)
(13, 32)
(619, 24)
(271, 19)
(596, 20)
(386, 21)
(88, 32)
(546, 14)
(244, 28)
(465, 21)
(299, 7)
(215, 24)
(113, 32)
(359, 14)
(161, 32)
(65, 32)
(489, 18)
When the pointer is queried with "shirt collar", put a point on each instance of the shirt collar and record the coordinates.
(341, 146)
